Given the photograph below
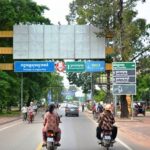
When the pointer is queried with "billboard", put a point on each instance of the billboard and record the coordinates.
(57, 42)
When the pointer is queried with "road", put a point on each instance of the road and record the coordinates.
(78, 133)
(20, 135)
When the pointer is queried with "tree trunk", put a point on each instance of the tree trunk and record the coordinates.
(124, 107)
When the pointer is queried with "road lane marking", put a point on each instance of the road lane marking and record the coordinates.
(125, 145)
(39, 147)
(120, 141)
(10, 126)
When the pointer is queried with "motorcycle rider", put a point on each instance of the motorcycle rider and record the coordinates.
(106, 121)
(24, 112)
(30, 113)
(51, 122)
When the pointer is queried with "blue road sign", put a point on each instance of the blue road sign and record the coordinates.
(95, 66)
(34, 66)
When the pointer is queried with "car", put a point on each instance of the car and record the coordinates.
(71, 109)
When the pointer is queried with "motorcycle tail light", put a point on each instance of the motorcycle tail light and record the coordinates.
(50, 134)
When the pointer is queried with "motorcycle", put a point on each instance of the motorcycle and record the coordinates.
(106, 141)
(50, 145)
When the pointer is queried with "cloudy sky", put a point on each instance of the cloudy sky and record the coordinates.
(60, 8)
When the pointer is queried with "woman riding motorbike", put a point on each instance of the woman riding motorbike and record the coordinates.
(106, 121)
(51, 122)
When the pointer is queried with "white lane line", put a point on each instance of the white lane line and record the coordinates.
(125, 145)
(121, 142)
(10, 126)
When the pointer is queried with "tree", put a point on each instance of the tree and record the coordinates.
(118, 18)
(36, 85)
(21, 11)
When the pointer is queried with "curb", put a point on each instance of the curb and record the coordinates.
(11, 120)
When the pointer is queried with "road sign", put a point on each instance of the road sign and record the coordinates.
(76, 66)
(95, 66)
(124, 89)
(124, 66)
(33, 66)
(60, 66)
(65, 93)
(124, 78)
(123, 73)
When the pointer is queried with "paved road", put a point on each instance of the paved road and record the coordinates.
(19, 135)
(78, 133)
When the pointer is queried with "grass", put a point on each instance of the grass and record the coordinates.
(13, 113)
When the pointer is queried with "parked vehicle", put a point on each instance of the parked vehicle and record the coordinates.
(139, 108)
(71, 109)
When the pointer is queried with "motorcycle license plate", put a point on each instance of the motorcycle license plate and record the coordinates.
(107, 137)
(49, 139)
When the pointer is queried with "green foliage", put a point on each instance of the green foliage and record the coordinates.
(99, 95)
(21, 11)
(83, 80)
(143, 90)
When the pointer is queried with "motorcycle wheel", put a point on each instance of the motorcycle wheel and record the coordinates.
(51, 147)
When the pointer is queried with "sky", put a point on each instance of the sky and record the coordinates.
(60, 8)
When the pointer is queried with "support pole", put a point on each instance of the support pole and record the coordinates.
(92, 87)
(132, 107)
(21, 90)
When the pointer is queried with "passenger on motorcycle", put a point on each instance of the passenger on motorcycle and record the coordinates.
(106, 121)
(51, 122)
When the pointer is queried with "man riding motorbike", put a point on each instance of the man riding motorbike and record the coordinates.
(51, 122)
(106, 121)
